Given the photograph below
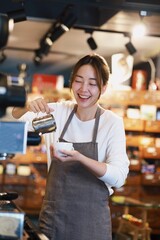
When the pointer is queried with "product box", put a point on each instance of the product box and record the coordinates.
(148, 112)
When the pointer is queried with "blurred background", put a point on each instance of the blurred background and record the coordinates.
(49, 36)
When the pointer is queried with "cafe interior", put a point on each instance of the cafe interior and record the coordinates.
(40, 41)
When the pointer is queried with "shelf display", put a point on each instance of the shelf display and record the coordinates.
(141, 120)
(26, 175)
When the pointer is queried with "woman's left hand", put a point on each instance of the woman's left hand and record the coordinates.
(96, 168)
(69, 155)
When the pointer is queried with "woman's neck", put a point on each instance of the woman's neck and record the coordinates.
(86, 114)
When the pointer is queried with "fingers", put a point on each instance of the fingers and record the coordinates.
(67, 152)
(68, 155)
(53, 152)
(38, 105)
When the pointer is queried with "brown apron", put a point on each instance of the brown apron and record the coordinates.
(75, 205)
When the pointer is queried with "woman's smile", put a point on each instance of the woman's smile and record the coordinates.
(83, 97)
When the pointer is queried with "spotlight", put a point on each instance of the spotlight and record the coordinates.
(66, 21)
(62, 25)
(92, 44)
(38, 57)
(17, 15)
(131, 49)
(4, 29)
(43, 50)
(37, 60)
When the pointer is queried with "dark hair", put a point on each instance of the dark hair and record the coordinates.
(98, 63)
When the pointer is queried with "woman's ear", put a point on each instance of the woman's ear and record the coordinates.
(103, 89)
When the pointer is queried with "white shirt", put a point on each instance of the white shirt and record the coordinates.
(110, 137)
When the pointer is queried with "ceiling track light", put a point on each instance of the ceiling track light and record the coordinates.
(63, 24)
(64, 27)
(49, 41)
(6, 25)
(130, 47)
(18, 15)
(92, 44)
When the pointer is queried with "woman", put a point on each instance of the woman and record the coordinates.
(79, 184)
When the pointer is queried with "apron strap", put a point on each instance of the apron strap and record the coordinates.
(68, 121)
(97, 116)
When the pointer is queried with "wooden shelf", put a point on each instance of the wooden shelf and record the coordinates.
(30, 188)
(131, 97)
(151, 179)
(152, 126)
(143, 134)
(133, 124)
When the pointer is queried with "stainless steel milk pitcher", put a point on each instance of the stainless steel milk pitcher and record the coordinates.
(44, 124)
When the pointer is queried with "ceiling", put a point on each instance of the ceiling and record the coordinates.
(109, 21)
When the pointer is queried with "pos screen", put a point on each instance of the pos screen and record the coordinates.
(13, 137)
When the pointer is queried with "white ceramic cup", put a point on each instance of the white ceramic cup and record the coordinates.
(63, 146)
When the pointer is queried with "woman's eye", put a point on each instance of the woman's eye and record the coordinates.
(93, 84)
(78, 81)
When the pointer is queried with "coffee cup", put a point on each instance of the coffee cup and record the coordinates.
(63, 146)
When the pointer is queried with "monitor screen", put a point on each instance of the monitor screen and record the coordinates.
(13, 137)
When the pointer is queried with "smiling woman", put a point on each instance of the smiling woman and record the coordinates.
(86, 92)
(80, 180)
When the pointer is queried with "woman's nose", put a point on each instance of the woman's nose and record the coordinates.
(84, 86)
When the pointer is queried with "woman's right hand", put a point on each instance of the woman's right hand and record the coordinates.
(38, 105)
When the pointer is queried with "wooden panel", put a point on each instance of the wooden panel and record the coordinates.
(153, 217)
(150, 193)
(132, 97)
(132, 140)
(152, 126)
(152, 97)
(135, 165)
(132, 191)
(151, 179)
(146, 141)
(18, 180)
(133, 124)
(133, 179)
(151, 152)
(136, 97)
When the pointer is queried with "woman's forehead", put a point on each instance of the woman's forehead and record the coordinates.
(86, 70)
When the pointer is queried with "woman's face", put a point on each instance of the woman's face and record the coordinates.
(84, 86)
